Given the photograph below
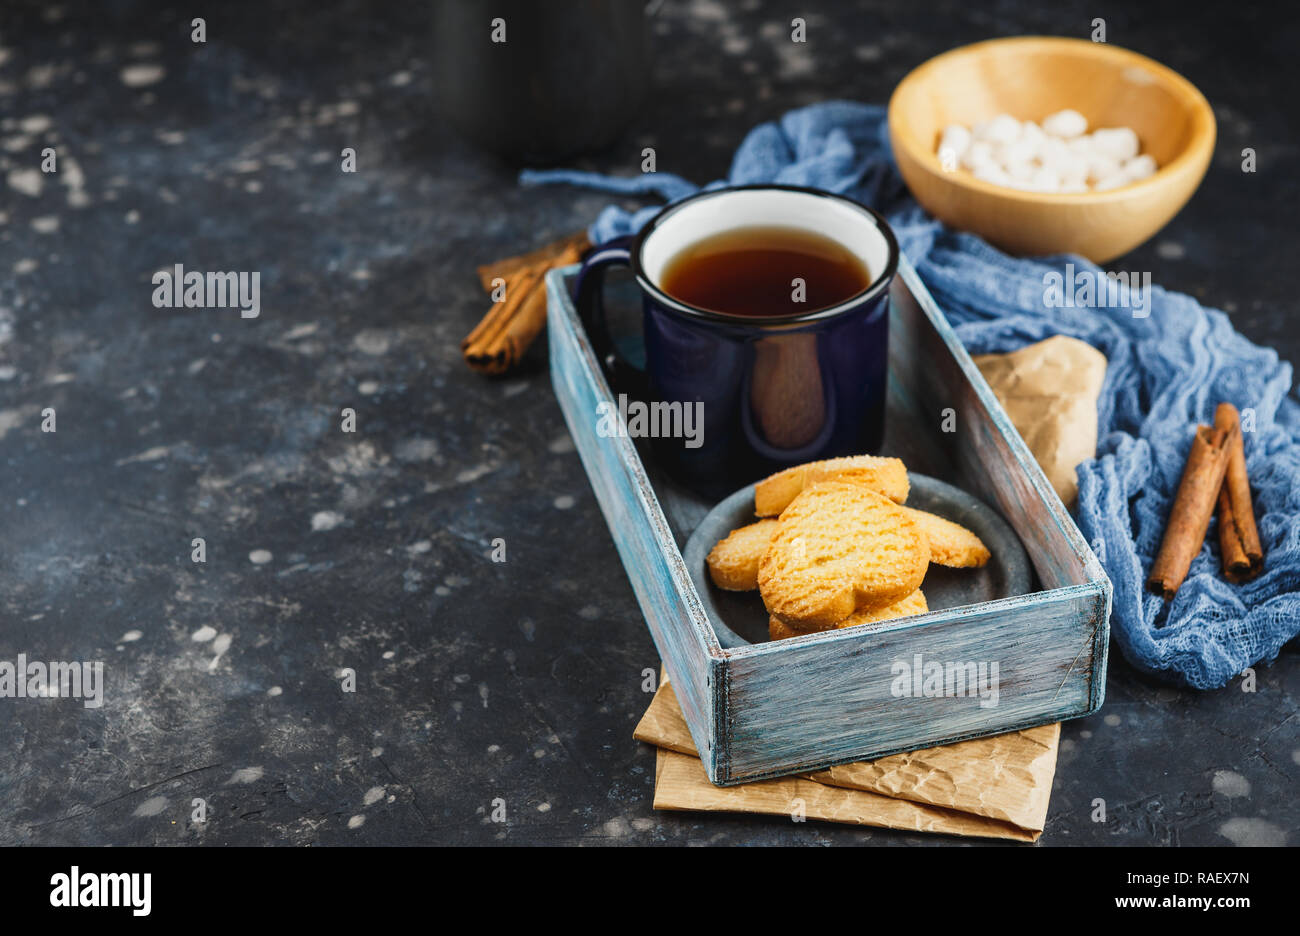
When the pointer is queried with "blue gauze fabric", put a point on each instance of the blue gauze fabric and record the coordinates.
(1166, 373)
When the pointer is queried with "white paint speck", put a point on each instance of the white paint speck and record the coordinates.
(152, 806)
(371, 342)
(204, 634)
(368, 387)
(300, 331)
(543, 807)
(41, 76)
(373, 795)
(1230, 783)
(27, 182)
(35, 123)
(356, 822)
(130, 636)
(260, 556)
(1170, 250)
(416, 449)
(142, 75)
(245, 775)
(45, 224)
(220, 645)
(325, 520)
(1112, 720)
(153, 454)
(470, 475)
(400, 79)
(1253, 832)
(274, 691)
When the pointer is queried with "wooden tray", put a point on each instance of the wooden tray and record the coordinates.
(791, 706)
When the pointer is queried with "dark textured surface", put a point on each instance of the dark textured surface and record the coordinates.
(475, 681)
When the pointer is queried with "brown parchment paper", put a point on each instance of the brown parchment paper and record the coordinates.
(993, 787)
(996, 787)
(1050, 390)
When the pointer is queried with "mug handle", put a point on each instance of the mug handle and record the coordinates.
(588, 298)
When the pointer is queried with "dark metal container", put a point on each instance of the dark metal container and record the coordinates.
(567, 78)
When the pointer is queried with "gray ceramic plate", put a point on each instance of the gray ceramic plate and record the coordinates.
(739, 618)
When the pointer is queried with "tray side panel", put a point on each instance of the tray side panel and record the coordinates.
(806, 703)
(935, 375)
(640, 531)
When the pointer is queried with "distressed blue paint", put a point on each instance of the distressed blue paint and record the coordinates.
(797, 705)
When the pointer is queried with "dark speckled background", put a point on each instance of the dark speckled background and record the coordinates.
(475, 680)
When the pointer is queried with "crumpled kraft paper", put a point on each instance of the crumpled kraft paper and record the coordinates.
(1050, 390)
(995, 787)
(992, 787)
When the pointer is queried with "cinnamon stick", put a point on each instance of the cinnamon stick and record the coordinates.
(1243, 554)
(499, 341)
(485, 348)
(1189, 518)
(573, 245)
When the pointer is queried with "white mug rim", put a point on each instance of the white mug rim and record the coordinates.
(879, 284)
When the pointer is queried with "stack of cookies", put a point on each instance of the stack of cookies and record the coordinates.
(836, 548)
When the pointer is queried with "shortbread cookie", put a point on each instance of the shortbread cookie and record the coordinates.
(887, 476)
(951, 544)
(914, 603)
(777, 629)
(840, 547)
(733, 561)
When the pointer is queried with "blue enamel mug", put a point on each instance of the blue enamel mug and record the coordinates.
(725, 399)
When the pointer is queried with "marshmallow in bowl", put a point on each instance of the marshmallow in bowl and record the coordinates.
(1060, 155)
(1065, 124)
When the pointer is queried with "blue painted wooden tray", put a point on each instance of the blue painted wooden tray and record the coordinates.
(783, 707)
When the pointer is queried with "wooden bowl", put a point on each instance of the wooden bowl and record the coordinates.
(1031, 78)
